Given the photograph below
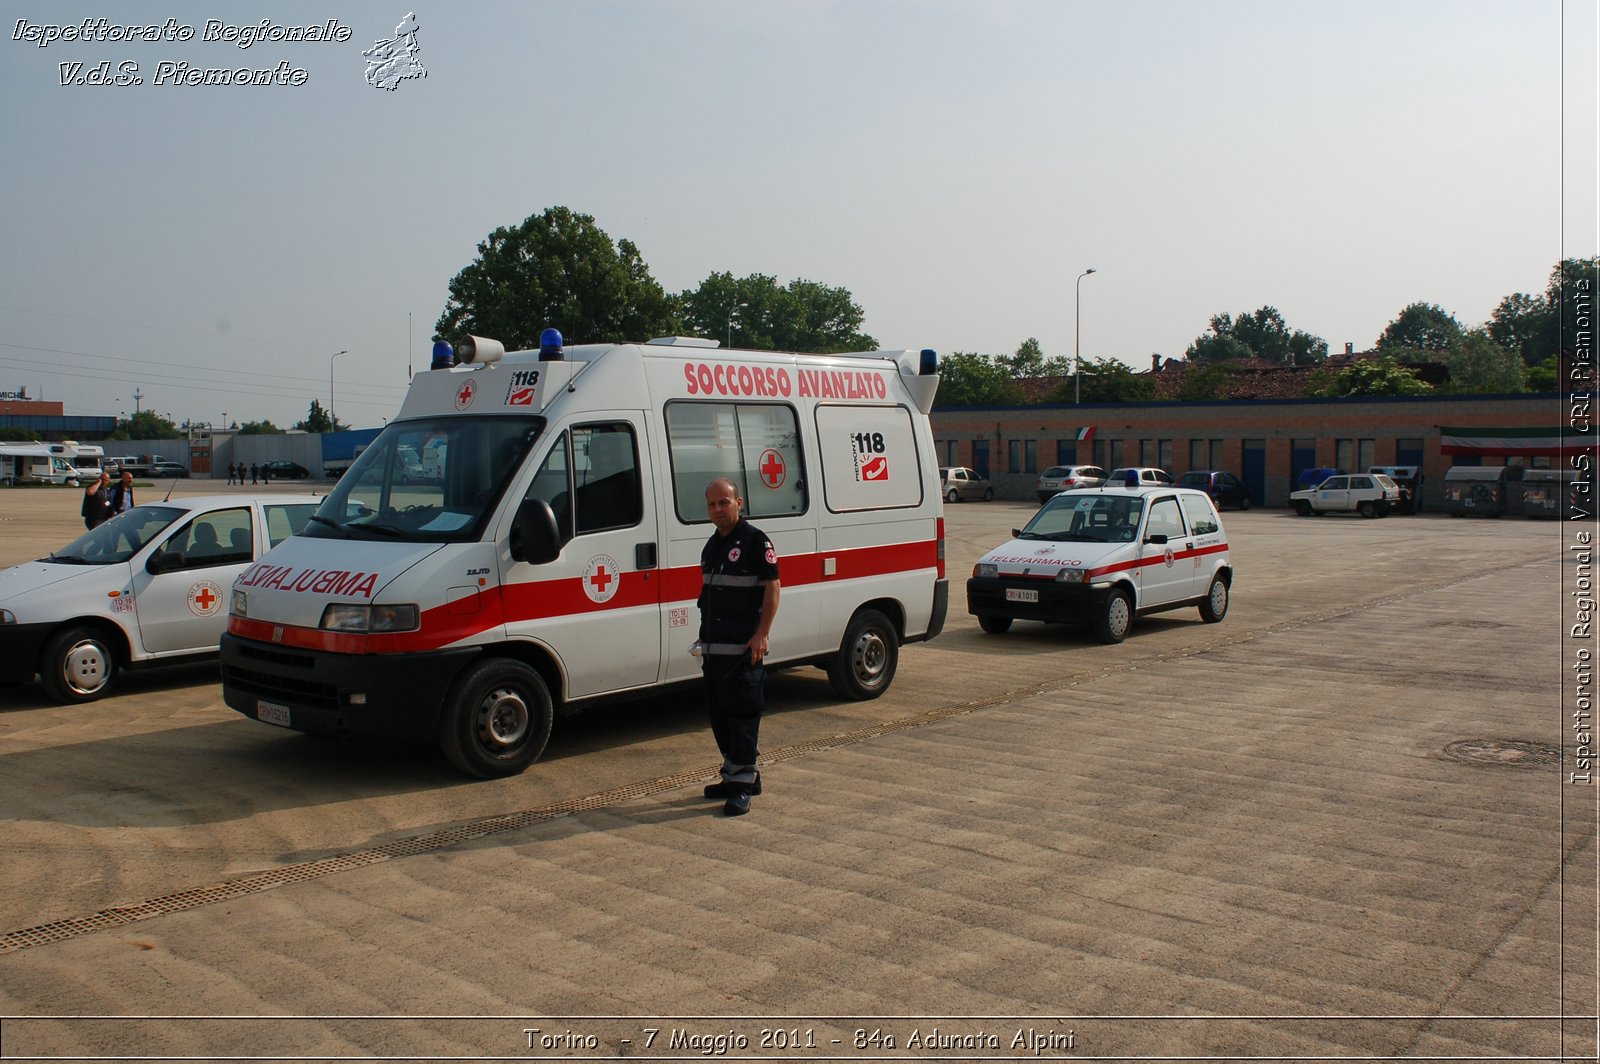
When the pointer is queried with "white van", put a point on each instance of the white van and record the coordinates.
(1103, 556)
(547, 556)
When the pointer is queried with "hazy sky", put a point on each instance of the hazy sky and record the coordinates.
(955, 165)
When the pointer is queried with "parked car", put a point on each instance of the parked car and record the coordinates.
(1368, 494)
(284, 470)
(1103, 556)
(165, 468)
(1224, 488)
(148, 586)
(962, 484)
(1147, 476)
(1063, 477)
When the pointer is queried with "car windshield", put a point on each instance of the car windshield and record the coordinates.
(1087, 518)
(118, 539)
(431, 480)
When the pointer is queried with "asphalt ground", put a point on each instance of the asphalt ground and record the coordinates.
(1347, 823)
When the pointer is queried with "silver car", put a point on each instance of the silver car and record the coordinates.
(1059, 478)
(962, 484)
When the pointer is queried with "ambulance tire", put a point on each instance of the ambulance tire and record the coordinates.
(864, 665)
(78, 665)
(1115, 618)
(497, 719)
(994, 624)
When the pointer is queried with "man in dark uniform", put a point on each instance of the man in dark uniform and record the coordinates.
(120, 497)
(738, 601)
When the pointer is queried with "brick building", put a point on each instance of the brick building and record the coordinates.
(1266, 441)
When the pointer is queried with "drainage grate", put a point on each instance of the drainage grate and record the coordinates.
(1507, 753)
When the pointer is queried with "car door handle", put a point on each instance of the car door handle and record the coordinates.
(644, 555)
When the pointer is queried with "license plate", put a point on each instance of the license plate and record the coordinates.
(1021, 594)
(272, 713)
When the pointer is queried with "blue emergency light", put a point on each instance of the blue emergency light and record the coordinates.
(444, 356)
(550, 346)
(930, 362)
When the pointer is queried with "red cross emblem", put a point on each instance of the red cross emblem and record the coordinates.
(464, 394)
(204, 599)
(601, 578)
(772, 468)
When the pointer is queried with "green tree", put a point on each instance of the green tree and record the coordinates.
(755, 313)
(1029, 361)
(1105, 380)
(1203, 382)
(1262, 334)
(1476, 363)
(18, 434)
(1522, 324)
(1421, 326)
(1541, 378)
(147, 425)
(259, 428)
(556, 269)
(1373, 377)
(970, 379)
(318, 420)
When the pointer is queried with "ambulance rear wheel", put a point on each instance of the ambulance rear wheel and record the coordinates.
(77, 666)
(864, 666)
(497, 719)
(1115, 618)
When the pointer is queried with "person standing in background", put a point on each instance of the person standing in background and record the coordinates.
(97, 500)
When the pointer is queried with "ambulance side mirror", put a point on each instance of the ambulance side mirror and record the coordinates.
(535, 539)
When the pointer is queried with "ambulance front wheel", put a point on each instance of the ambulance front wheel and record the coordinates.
(864, 666)
(497, 719)
(77, 666)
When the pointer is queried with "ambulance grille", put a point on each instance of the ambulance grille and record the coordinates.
(288, 659)
(272, 685)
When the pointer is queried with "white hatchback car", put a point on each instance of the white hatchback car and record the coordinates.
(1066, 477)
(1368, 494)
(1103, 556)
(148, 586)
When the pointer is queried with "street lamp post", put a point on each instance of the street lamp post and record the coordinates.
(224, 421)
(333, 422)
(1077, 320)
(732, 314)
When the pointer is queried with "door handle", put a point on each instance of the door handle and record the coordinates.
(644, 555)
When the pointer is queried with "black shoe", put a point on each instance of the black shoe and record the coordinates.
(727, 789)
(738, 804)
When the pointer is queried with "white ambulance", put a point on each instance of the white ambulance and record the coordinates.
(543, 552)
(1103, 556)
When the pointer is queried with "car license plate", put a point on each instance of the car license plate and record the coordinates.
(272, 713)
(1021, 594)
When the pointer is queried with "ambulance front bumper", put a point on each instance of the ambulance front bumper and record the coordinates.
(395, 696)
(1035, 600)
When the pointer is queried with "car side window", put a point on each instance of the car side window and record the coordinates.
(1336, 484)
(1201, 514)
(606, 475)
(1165, 519)
(1361, 482)
(286, 521)
(222, 537)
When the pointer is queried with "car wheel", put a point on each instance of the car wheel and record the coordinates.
(951, 495)
(1302, 508)
(497, 719)
(993, 624)
(1115, 618)
(1244, 503)
(988, 493)
(1215, 606)
(863, 667)
(78, 665)
(1367, 508)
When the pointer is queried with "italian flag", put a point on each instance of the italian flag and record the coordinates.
(1523, 442)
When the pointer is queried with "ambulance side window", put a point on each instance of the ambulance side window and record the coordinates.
(1202, 518)
(554, 486)
(755, 445)
(605, 466)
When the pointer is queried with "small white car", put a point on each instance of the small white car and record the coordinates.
(1103, 556)
(148, 586)
(1368, 494)
(1066, 477)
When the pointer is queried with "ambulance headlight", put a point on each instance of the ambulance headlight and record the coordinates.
(348, 617)
(1072, 576)
(985, 571)
(241, 604)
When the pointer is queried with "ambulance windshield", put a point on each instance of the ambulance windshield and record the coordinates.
(430, 480)
(1087, 517)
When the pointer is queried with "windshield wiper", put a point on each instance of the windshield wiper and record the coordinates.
(388, 530)
(68, 559)
(336, 526)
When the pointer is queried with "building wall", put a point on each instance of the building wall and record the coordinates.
(1351, 433)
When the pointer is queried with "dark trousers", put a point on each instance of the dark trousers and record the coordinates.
(735, 697)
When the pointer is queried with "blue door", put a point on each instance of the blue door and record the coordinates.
(1254, 472)
(980, 457)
